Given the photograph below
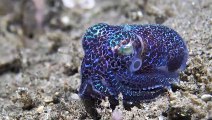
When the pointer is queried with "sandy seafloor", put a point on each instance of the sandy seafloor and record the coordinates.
(39, 66)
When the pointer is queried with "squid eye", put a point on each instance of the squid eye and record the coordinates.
(126, 49)
(135, 65)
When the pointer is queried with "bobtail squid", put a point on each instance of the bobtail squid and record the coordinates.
(139, 61)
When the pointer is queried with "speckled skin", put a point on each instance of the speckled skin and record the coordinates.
(107, 70)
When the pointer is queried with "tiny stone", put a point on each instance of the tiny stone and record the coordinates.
(160, 117)
(56, 93)
(51, 104)
(56, 98)
(40, 109)
(75, 96)
(68, 3)
(66, 112)
(206, 97)
(48, 100)
(65, 20)
(117, 115)
(173, 96)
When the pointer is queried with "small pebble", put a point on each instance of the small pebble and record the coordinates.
(68, 3)
(48, 99)
(40, 109)
(160, 117)
(117, 115)
(56, 98)
(65, 20)
(84, 4)
(172, 96)
(75, 96)
(206, 97)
